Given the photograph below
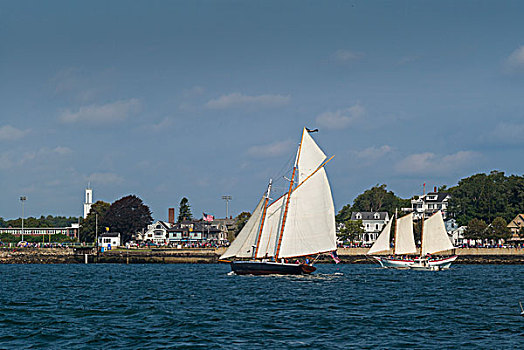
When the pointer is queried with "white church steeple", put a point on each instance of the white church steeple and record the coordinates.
(88, 200)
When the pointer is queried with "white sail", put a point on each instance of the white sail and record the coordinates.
(382, 243)
(310, 224)
(271, 228)
(310, 158)
(404, 239)
(434, 237)
(243, 246)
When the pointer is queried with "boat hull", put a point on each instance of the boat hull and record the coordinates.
(270, 268)
(416, 264)
(394, 263)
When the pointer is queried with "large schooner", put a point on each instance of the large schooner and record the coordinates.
(282, 237)
(434, 240)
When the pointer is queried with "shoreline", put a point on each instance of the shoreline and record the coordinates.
(499, 256)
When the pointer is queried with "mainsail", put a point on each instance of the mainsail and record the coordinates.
(310, 224)
(243, 246)
(381, 245)
(435, 238)
(404, 239)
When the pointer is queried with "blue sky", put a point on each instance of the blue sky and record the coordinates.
(165, 99)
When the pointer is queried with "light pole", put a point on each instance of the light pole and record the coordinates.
(23, 199)
(227, 198)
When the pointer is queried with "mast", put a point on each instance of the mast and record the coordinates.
(422, 234)
(289, 196)
(263, 218)
(396, 230)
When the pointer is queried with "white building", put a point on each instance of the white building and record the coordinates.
(428, 204)
(156, 233)
(88, 200)
(372, 223)
(109, 240)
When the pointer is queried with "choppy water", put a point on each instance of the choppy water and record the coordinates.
(202, 306)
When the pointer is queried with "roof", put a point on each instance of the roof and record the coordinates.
(163, 223)
(110, 234)
(197, 226)
(516, 223)
(369, 215)
(441, 196)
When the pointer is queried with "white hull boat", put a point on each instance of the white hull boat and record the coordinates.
(434, 240)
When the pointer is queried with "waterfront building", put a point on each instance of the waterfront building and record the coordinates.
(516, 225)
(428, 204)
(372, 223)
(195, 232)
(71, 231)
(156, 233)
(88, 201)
(109, 240)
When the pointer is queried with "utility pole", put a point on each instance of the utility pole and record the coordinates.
(23, 199)
(227, 198)
(96, 231)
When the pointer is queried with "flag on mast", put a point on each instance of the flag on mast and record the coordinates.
(207, 217)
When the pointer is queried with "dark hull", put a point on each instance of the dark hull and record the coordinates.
(270, 268)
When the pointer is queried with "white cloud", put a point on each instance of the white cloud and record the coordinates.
(432, 164)
(105, 179)
(9, 133)
(101, 114)
(341, 118)
(346, 56)
(239, 100)
(373, 153)
(274, 149)
(508, 133)
(45, 155)
(515, 62)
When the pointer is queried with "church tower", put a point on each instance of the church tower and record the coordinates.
(88, 200)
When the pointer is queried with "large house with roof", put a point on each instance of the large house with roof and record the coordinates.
(516, 225)
(156, 233)
(372, 223)
(195, 232)
(428, 204)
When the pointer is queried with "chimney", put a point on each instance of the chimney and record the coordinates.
(171, 215)
(435, 189)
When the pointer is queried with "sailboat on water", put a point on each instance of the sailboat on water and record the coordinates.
(434, 240)
(281, 237)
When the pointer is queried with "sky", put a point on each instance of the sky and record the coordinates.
(200, 99)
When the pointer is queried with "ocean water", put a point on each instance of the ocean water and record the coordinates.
(204, 306)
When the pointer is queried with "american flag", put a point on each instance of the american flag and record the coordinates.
(208, 217)
(335, 256)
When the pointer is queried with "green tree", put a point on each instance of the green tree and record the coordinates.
(184, 210)
(499, 229)
(351, 230)
(377, 198)
(88, 227)
(128, 215)
(476, 229)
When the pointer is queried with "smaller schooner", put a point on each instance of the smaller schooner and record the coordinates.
(283, 236)
(434, 240)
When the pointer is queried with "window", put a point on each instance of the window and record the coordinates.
(358, 216)
(376, 227)
(376, 216)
